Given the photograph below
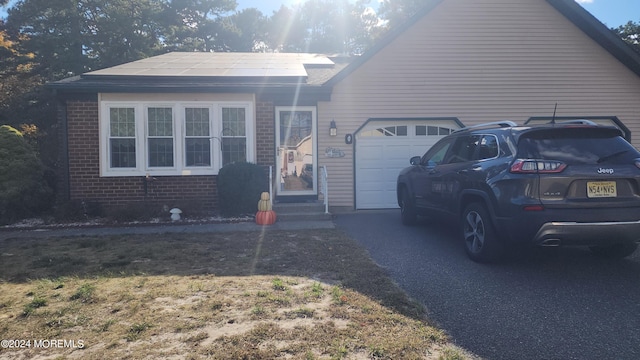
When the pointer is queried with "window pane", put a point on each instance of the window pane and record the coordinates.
(197, 121)
(198, 152)
(421, 130)
(160, 122)
(160, 152)
(122, 122)
(234, 150)
(401, 131)
(233, 122)
(123, 153)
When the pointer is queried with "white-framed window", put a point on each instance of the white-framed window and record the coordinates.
(234, 134)
(198, 138)
(160, 137)
(122, 137)
(174, 138)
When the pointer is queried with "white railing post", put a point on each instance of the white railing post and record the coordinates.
(325, 188)
(271, 185)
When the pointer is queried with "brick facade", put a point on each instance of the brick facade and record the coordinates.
(265, 134)
(86, 184)
(83, 174)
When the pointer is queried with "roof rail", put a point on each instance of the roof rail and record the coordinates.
(578, 122)
(501, 124)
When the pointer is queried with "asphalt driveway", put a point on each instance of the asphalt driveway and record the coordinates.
(548, 304)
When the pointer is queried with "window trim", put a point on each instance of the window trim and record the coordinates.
(179, 127)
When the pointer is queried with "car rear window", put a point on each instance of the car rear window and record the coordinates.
(577, 146)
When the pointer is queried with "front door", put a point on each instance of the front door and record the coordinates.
(296, 151)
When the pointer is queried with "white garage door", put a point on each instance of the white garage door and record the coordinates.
(383, 148)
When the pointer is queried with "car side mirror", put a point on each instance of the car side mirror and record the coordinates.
(415, 160)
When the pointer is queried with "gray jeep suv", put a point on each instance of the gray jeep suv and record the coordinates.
(571, 183)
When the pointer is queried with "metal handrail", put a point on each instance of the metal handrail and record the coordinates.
(271, 185)
(324, 187)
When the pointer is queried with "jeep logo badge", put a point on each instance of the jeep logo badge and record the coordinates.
(605, 171)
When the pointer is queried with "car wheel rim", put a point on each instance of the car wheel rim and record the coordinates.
(474, 232)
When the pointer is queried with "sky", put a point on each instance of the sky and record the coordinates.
(612, 13)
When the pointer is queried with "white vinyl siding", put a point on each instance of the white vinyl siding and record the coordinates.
(479, 61)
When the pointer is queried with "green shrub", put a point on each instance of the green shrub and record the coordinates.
(239, 188)
(23, 189)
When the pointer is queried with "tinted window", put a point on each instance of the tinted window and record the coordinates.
(579, 146)
(488, 147)
(435, 155)
(463, 149)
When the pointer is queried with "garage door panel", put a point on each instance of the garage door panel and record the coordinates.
(372, 199)
(379, 160)
(371, 152)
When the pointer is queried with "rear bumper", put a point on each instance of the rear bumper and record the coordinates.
(587, 234)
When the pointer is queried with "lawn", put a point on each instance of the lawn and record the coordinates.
(312, 294)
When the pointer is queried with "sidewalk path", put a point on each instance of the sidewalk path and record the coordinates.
(164, 228)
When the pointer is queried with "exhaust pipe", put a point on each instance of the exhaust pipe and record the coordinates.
(551, 242)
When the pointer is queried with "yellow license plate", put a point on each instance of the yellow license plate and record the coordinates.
(600, 189)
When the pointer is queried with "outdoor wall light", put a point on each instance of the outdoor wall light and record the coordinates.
(333, 130)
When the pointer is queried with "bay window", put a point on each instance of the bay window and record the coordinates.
(198, 138)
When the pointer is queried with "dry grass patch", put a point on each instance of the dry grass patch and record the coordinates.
(270, 295)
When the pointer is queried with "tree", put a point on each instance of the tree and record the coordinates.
(396, 12)
(120, 31)
(196, 25)
(630, 33)
(23, 189)
(323, 26)
(246, 31)
(52, 30)
(285, 31)
(20, 88)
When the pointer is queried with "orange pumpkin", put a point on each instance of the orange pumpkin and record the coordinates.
(265, 217)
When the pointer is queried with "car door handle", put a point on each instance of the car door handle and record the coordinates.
(466, 171)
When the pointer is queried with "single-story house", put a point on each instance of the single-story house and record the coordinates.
(162, 127)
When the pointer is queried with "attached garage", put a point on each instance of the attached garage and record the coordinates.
(383, 147)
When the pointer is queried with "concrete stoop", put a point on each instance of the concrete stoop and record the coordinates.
(306, 211)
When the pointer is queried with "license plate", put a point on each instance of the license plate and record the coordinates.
(600, 189)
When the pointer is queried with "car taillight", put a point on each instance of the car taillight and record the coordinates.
(528, 166)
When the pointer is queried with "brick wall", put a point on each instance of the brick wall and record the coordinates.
(266, 134)
(86, 184)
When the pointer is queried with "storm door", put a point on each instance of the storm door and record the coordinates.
(296, 170)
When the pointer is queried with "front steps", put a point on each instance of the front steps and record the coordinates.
(303, 211)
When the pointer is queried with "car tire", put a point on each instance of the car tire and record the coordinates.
(407, 209)
(481, 241)
(617, 251)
